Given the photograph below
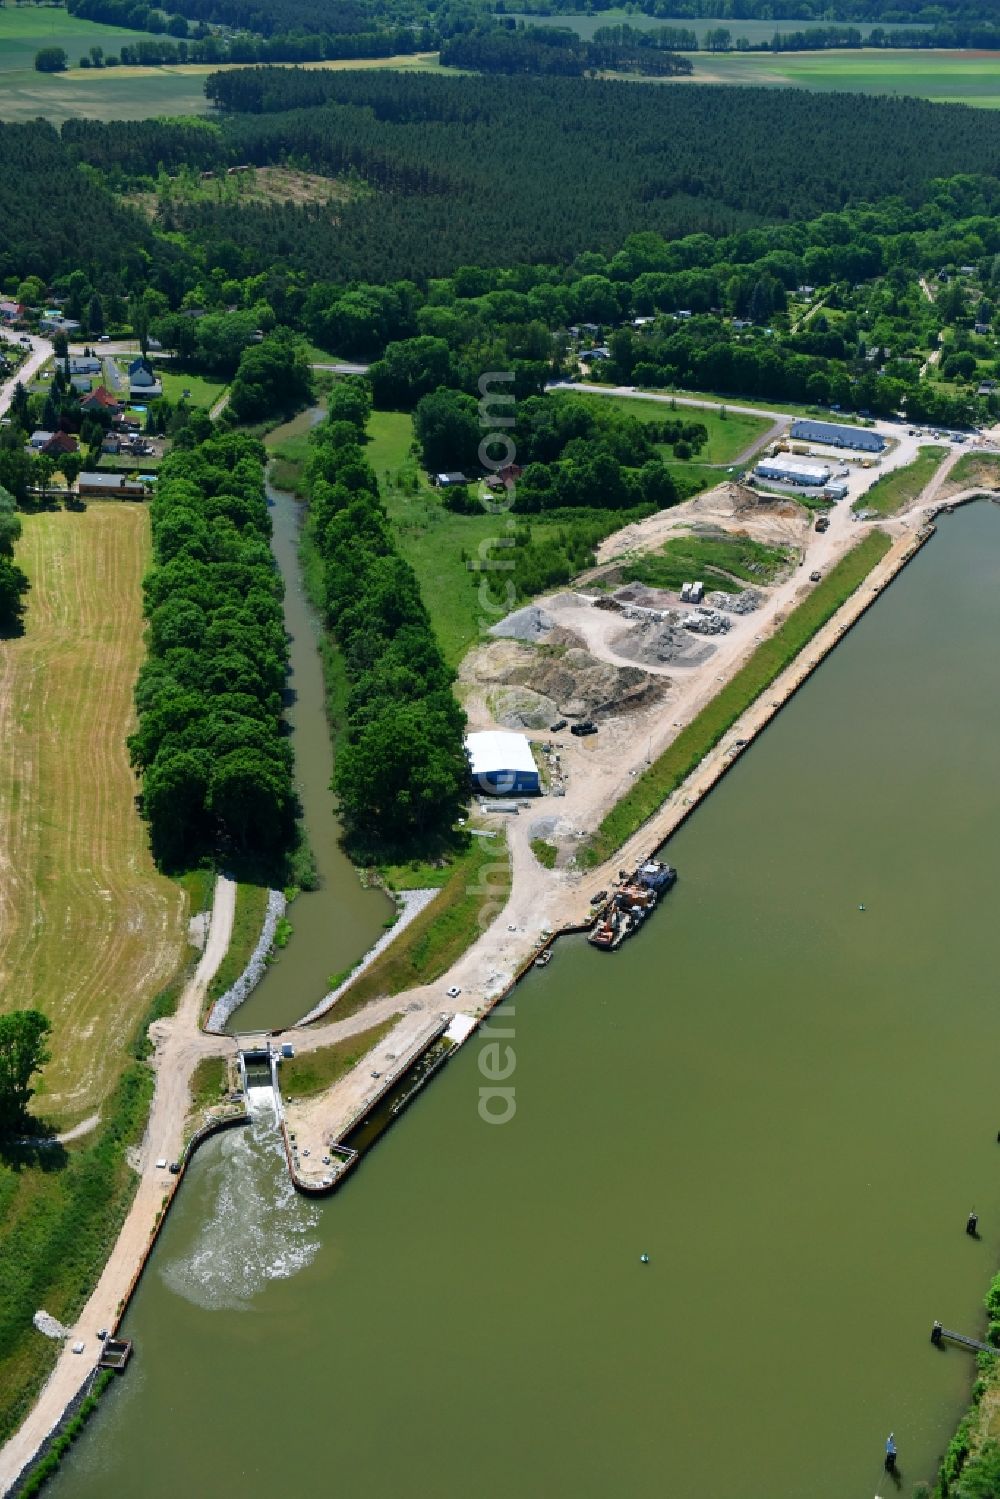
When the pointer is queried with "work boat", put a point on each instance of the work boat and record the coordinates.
(611, 929)
(656, 875)
(630, 904)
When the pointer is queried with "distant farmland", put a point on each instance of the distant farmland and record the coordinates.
(943, 77)
(89, 931)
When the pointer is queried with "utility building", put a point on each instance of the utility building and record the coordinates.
(838, 435)
(501, 764)
(788, 471)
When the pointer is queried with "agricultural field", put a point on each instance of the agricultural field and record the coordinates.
(944, 77)
(26, 28)
(131, 93)
(89, 931)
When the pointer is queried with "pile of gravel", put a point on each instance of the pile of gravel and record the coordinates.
(707, 622)
(659, 642)
(530, 623)
(744, 602)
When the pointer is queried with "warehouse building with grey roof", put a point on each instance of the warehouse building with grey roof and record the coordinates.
(838, 435)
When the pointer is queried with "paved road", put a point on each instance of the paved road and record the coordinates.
(344, 369)
(41, 350)
(697, 402)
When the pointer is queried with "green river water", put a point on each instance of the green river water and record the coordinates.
(789, 1104)
(334, 925)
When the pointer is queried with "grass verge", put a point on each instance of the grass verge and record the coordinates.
(251, 905)
(312, 1072)
(767, 662)
(60, 1213)
(474, 892)
(893, 491)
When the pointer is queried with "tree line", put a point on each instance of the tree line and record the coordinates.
(552, 52)
(211, 744)
(401, 773)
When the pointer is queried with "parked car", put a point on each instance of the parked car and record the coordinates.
(559, 724)
(453, 992)
(815, 577)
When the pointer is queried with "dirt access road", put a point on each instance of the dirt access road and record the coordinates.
(601, 770)
(180, 1045)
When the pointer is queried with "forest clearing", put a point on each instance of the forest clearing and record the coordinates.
(89, 931)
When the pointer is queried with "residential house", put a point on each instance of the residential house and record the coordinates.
(60, 444)
(101, 401)
(142, 383)
(983, 328)
(38, 440)
(110, 486)
(54, 322)
(84, 364)
(12, 312)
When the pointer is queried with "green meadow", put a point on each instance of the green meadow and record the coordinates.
(27, 28)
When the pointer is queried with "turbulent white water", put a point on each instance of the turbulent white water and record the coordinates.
(260, 1102)
(256, 1228)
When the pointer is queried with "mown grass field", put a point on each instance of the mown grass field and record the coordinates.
(312, 1072)
(89, 930)
(728, 435)
(893, 491)
(201, 390)
(704, 731)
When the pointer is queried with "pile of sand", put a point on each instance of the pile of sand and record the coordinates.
(530, 686)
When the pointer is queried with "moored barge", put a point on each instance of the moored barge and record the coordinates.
(634, 897)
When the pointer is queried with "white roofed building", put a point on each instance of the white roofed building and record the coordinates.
(501, 764)
(787, 471)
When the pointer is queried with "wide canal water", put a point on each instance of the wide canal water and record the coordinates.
(334, 925)
(790, 1104)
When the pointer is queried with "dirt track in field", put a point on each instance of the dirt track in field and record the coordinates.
(89, 932)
